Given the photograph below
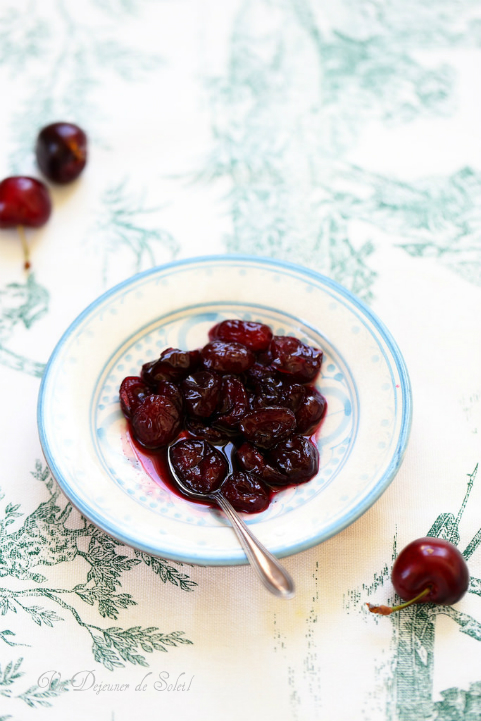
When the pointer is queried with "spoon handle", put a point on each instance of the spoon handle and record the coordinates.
(274, 577)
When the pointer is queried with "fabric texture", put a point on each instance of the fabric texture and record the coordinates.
(341, 136)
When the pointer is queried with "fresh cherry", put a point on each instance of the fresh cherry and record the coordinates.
(428, 570)
(61, 152)
(24, 202)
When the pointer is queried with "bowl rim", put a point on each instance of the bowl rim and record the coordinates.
(338, 524)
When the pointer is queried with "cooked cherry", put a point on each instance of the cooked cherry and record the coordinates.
(202, 429)
(255, 336)
(170, 390)
(246, 492)
(199, 465)
(293, 395)
(156, 422)
(311, 411)
(24, 201)
(201, 393)
(227, 357)
(61, 151)
(297, 459)
(173, 365)
(428, 570)
(251, 459)
(234, 403)
(302, 362)
(268, 426)
(133, 391)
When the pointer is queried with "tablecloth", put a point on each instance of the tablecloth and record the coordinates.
(342, 136)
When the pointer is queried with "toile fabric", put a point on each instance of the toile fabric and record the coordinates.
(341, 136)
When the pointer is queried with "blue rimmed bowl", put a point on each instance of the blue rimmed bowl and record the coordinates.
(83, 432)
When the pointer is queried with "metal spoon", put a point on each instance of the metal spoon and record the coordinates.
(274, 577)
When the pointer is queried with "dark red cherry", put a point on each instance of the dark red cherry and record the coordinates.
(268, 426)
(201, 429)
(133, 391)
(156, 422)
(201, 393)
(255, 336)
(170, 390)
(251, 459)
(302, 362)
(310, 411)
(431, 563)
(297, 459)
(173, 365)
(246, 492)
(199, 465)
(24, 201)
(61, 152)
(234, 403)
(227, 357)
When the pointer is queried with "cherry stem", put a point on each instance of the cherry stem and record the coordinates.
(26, 249)
(386, 610)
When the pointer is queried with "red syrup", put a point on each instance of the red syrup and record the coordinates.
(156, 465)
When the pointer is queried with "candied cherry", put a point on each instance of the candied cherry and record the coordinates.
(227, 357)
(268, 426)
(296, 458)
(156, 422)
(24, 202)
(251, 459)
(234, 404)
(170, 390)
(246, 492)
(61, 152)
(428, 570)
(133, 391)
(201, 393)
(302, 362)
(173, 365)
(201, 429)
(199, 465)
(310, 411)
(255, 336)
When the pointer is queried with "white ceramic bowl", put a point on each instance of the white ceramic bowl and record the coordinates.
(82, 430)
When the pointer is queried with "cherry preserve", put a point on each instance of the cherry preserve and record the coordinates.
(240, 414)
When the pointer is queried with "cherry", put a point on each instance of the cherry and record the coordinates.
(173, 365)
(428, 570)
(201, 393)
(24, 202)
(156, 422)
(199, 465)
(255, 336)
(246, 492)
(170, 390)
(310, 411)
(251, 459)
(200, 429)
(227, 357)
(234, 404)
(133, 392)
(61, 152)
(296, 458)
(302, 362)
(268, 426)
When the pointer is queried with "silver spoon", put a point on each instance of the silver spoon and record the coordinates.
(274, 577)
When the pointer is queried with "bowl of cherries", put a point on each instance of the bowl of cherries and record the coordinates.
(247, 377)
